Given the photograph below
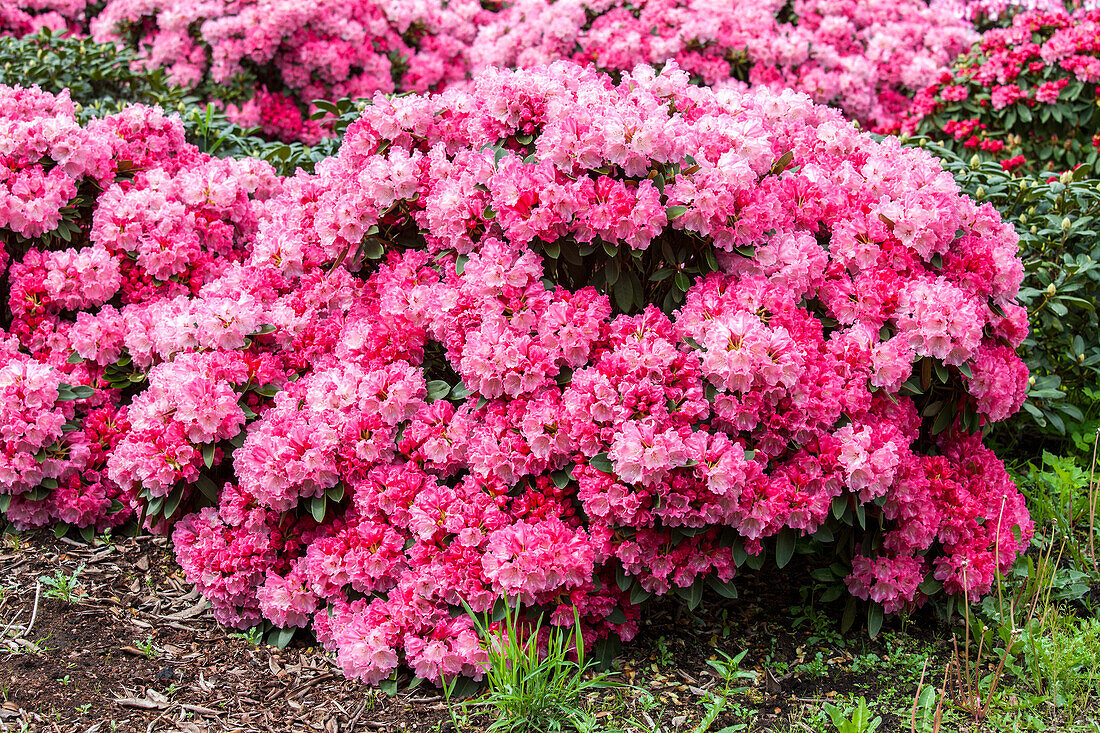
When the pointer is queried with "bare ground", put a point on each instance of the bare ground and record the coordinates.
(136, 649)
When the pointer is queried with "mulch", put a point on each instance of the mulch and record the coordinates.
(136, 649)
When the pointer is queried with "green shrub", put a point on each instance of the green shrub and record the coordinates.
(1021, 96)
(100, 77)
(1057, 220)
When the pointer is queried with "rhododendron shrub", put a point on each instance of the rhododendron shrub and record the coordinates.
(989, 13)
(101, 226)
(269, 59)
(20, 17)
(496, 408)
(867, 58)
(1026, 96)
(555, 340)
(281, 55)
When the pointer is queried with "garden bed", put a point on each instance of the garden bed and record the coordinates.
(135, 649)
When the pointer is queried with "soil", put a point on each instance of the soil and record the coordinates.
(136, 649)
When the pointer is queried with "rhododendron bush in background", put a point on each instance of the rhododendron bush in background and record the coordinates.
(863, 57)
(555, 339)
(1026, 95)
(266, 61)
(19, 17)
(281, 55)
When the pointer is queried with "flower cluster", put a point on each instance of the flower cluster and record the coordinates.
(554, 339)
(102, 225)
(866, 57)
(1025, 96)
(327, 49)
(20, 17)
(1000, 12)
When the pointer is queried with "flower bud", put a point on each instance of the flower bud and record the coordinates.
(975, 162)
(1051, 290)
(980, 193)
(1066, 224)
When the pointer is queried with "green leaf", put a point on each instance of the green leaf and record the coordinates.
(317, 507)
(172, 502)
(724, 589)
(756, 561)
(711, 259)
(639, 595)
(437, 390)
(74, 358)
(208, 455)
(944, 418)
(561, 478)
(208, 488)
(601, 462)
(60, 529)
(930, 587)
(874, 620)
(463, 687)
(675, 212)
(371, 248)
(622, 579)
(693, 594)
(279, 638)
(335, 494)
(941, 372)
(624, 295)
(605, 652)
(848, 618)
(784, 548)
(611, 272)
(781, 164)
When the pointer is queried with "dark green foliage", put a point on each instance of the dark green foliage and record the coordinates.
(100, 78)
(1057, 220)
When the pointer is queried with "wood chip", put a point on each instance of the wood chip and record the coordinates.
(141, 704)
(191, 612)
